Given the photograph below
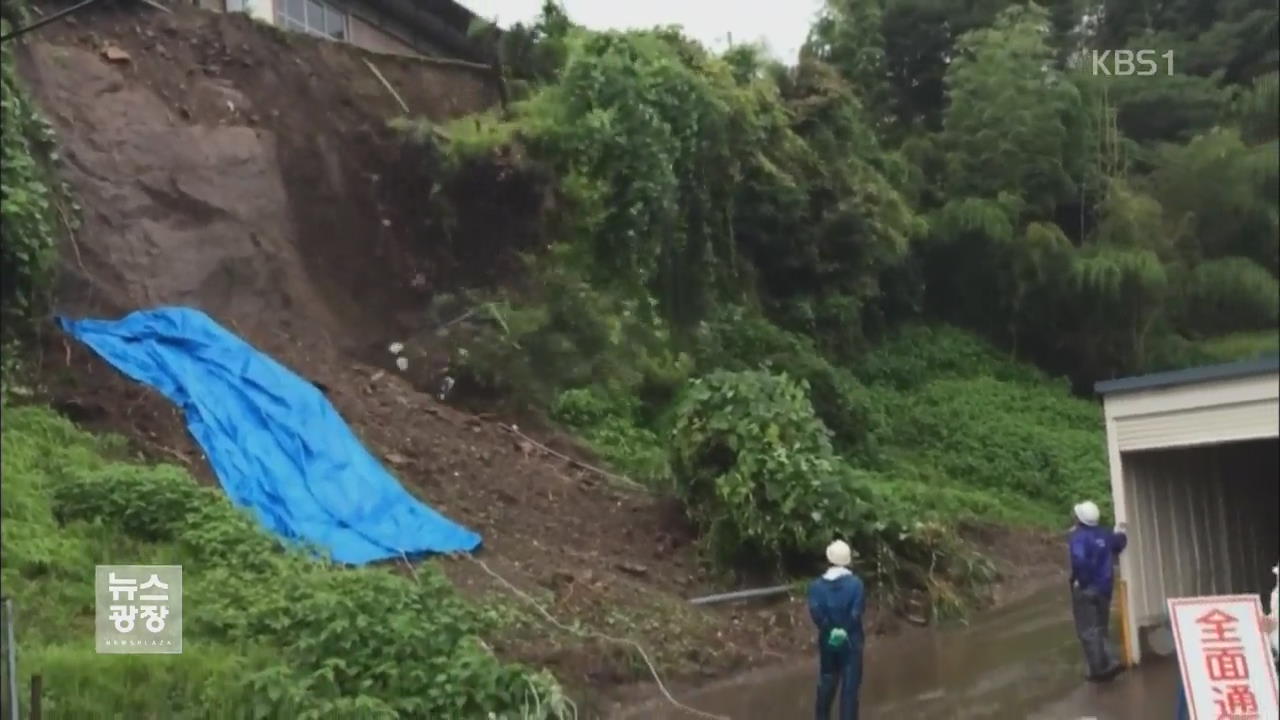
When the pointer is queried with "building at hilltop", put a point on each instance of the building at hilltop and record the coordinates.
(432, 28)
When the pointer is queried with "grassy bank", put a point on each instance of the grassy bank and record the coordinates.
(267, 633)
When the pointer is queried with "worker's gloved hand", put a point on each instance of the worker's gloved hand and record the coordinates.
(837, 638)
(1121, 527)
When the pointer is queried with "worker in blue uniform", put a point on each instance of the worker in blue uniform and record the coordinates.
(1093, 553)
(836, 603)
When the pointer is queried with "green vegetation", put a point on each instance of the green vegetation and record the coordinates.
(810, 300)
(1239, 346)
(849, 297)
(277, 633)
(29, 198)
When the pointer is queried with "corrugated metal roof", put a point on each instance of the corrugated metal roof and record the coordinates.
(1244, 368)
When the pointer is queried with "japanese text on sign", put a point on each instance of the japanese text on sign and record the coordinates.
(139, 608)
(1226, 664)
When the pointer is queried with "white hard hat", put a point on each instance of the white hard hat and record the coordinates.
(1087, 513)
(839, 554)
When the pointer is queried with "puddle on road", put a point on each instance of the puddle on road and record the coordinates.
(1020, 662)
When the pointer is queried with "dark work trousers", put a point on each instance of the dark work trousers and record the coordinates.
(840, 667)
(1092, 611)
(1183, 712)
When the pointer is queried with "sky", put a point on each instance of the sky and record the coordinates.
(781, 24)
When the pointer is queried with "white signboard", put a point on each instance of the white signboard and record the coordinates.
(1227, 669)
(139, 609)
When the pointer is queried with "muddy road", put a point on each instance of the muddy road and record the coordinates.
(1021, 662)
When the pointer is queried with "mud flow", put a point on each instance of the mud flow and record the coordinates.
(1018, 663)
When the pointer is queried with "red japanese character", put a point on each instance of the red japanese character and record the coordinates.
(1217, 625)
(1237, 703)
(1226, 664)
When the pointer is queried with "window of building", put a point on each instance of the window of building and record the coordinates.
(311, 16)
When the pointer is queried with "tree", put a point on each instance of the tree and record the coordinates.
(1234, 39)
(847, 37)
(919, 44)
(1121, 292)
(1256, 109)
(1015, 124)
(1221, 195)
(1228, 295)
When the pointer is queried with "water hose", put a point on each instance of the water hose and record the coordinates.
(741, 595)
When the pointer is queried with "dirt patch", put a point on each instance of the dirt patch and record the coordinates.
(252, 173)
(230, 167)
(1026, 561)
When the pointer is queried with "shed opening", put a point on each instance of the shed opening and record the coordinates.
(1202, 521)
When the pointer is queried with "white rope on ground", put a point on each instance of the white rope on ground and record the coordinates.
(588, 633)
(543, 611)
(599, 635)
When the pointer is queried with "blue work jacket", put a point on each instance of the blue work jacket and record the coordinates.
(1093, 552)
(838, 603)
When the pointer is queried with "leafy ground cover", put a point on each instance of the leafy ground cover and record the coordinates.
(269, 633)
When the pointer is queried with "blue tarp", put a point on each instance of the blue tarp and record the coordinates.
(276, 443)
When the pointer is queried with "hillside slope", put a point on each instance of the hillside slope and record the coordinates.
(251, 174)
(228, 167)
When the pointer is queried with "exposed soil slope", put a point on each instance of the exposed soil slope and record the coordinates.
(224, 165)
(251, 172)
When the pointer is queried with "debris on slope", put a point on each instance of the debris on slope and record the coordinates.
(230, 167)
(252, 175)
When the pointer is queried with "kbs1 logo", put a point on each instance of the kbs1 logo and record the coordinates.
(1123, 63)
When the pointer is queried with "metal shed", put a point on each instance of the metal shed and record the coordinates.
(1194, 474)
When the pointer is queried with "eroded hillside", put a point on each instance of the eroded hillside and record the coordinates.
(226, 166)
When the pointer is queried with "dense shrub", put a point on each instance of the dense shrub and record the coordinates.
(566, 334)
(755, 468)
(757, 473)
(736, 339)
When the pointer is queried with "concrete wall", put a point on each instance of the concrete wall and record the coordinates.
(365, 34)
(366, 28)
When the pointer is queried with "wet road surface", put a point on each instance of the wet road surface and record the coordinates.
(1021, 662)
